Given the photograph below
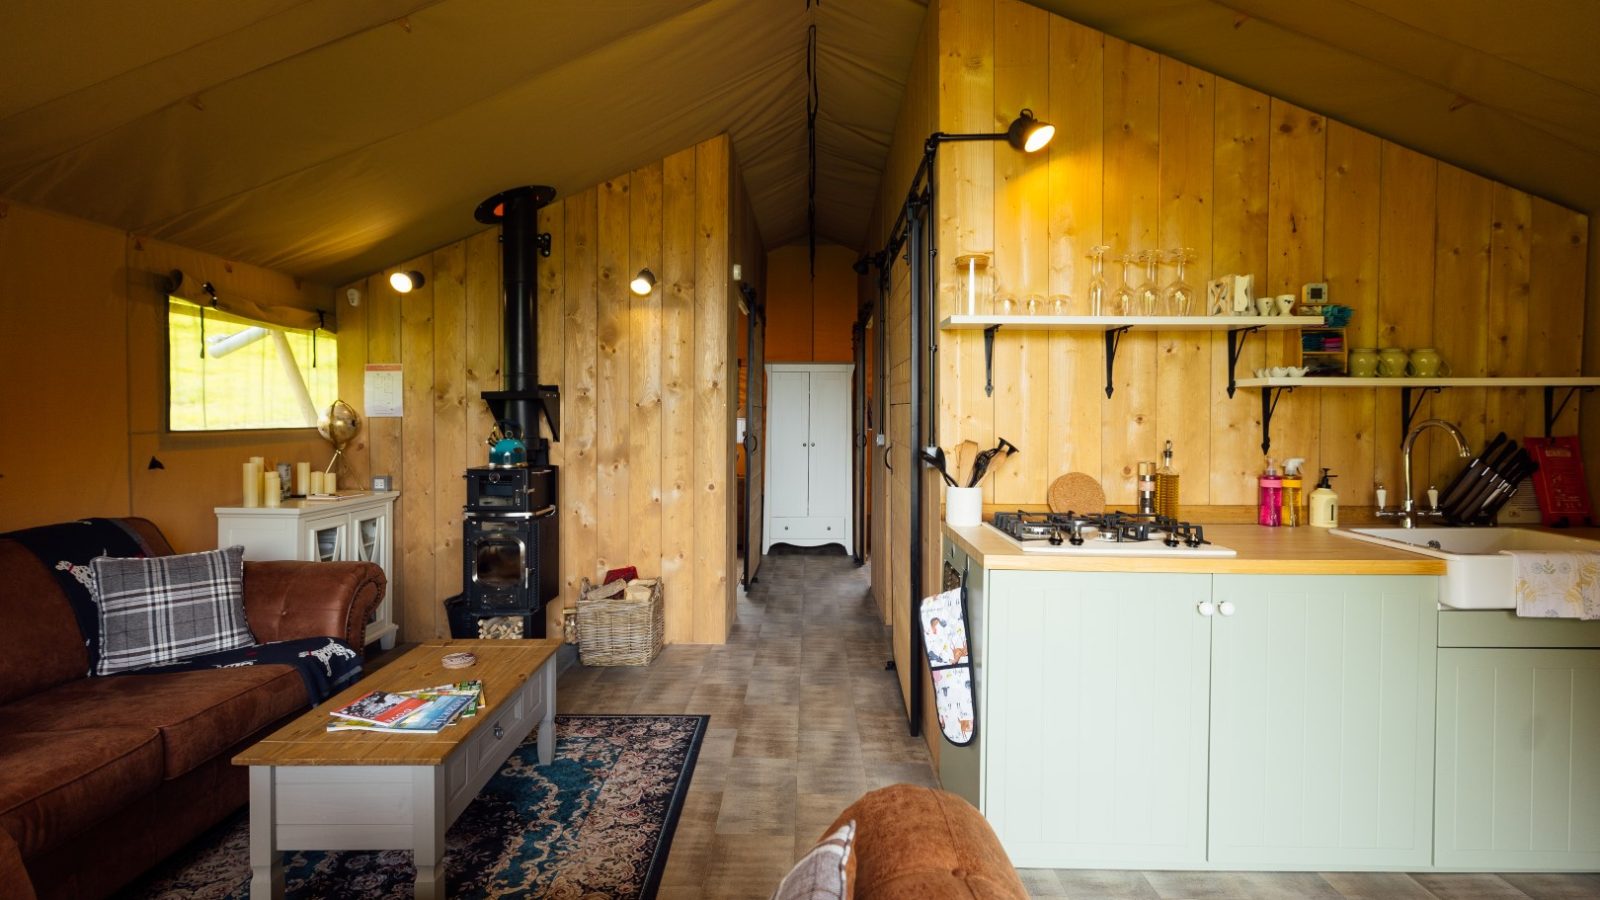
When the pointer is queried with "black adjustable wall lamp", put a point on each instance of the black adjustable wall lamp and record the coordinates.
(911, 231)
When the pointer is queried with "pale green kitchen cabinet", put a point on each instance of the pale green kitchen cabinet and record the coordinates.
(1519, 759)
(1322, 717)
(1092, 713)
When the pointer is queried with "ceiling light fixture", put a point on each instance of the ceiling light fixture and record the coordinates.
(643, 283)
(406, 282)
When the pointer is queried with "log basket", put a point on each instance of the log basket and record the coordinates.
(621, 623)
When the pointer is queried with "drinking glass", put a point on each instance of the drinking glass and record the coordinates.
(1148, 294)
(1098, 289)
(1060, 304)
(1179, 295)
(1122, 299)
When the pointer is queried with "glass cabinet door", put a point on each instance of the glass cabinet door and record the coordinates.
(325, 541)
(368, 539)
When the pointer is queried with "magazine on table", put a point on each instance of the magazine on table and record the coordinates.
(379, 708)
(431, 718)
(424, 711)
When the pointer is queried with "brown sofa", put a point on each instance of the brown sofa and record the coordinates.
(916, 843)
(104, 777)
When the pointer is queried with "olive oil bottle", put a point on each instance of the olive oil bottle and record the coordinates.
(1167, 485)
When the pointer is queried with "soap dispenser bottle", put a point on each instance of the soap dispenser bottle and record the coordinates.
(1325, 503)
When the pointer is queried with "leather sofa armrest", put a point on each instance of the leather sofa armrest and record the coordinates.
(13, 874)
(285, 599)
(917, 843)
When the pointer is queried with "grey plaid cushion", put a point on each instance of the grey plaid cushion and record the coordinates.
(166, 609)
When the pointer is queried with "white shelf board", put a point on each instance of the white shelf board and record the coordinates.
(1146, 323)
(1337, 381)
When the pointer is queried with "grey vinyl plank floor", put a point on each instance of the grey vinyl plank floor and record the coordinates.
(804, 719)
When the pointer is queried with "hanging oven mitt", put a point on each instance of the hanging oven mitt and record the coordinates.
(944, 636)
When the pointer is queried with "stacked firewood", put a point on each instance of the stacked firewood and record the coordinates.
(500, 628)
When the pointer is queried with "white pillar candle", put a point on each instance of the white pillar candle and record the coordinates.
(271, 490)
(330, 482)
(316, 483)
(302, 478)
(252, 484)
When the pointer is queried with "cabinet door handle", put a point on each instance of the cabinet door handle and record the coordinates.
(1206, 608)
(1226, 607)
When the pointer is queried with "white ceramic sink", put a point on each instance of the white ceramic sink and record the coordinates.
(1476, 575)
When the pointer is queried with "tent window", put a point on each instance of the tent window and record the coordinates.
(228, 373)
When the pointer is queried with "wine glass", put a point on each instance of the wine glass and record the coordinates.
(1148, 294)
(1179, 294)
(1122, 299)
(1097, 280)
(1060, 304)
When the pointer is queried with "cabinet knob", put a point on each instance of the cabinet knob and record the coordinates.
(1206, 608)
(498, 731)
(1225, 607)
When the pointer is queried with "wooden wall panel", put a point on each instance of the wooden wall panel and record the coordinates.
(450, 400)
(613, 395)
(1239, 247)
(1076, 160)
(646, 421)
(713, 409)
(678, 393)
(1183, 358)
(352, 378)
(1350, 267)
(1131, 221)
(1151, 153)
(416, 509)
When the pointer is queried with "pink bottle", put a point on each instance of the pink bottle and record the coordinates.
(1269, 497)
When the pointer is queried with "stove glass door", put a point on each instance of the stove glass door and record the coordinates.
(500, 556)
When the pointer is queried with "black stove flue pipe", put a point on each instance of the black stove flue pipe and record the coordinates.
(524, 400)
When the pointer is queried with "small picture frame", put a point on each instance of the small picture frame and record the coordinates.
(383, 482)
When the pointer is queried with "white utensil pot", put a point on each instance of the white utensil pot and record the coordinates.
(963, 506)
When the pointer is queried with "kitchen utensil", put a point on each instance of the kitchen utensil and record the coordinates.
(934, 456)
(966, 455)
(1470, 469)
(1502, 484)
(985, 459)
(1076, 492)
(1472, 498)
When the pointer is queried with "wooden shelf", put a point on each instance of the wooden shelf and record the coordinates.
(1273, 388)
(1119, 323)
(1112, 328)
(1341, 381)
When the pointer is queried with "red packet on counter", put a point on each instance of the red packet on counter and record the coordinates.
(1559, 483)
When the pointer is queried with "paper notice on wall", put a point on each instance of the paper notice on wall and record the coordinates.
(384, 394)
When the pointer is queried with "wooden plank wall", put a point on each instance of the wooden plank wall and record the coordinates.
(1153, 153)
(647, 406)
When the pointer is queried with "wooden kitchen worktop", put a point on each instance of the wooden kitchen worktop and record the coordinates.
(1262, 551)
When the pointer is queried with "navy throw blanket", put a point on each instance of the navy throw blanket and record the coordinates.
(66, 550)
(325, 664)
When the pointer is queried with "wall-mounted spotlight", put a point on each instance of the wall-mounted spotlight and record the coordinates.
(406, 282)
(1029, 134)
(643, 283)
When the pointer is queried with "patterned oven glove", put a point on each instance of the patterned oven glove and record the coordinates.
(944, 635)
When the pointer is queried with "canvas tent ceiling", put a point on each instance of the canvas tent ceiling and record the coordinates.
(330, 139)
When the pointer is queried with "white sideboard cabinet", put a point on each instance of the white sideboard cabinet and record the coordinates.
(354, 528)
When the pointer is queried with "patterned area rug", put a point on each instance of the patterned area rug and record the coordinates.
(596, 822)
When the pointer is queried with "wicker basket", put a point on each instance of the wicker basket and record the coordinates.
(620, 624)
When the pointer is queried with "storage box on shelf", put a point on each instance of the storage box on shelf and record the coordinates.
(1323, 351)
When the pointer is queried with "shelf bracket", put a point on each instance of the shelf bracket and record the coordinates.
(1552, 411)
(1409, 410)
(1269, 405)
(1113, 340)
(1236, 338)
(988, 360)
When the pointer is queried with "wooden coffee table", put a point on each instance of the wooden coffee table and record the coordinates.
(311, 789)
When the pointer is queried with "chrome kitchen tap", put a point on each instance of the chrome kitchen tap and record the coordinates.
(1408, 512)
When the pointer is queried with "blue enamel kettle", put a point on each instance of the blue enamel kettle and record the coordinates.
(507, 450)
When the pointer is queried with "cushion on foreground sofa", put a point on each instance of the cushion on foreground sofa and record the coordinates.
(105, 776)
(917, 843)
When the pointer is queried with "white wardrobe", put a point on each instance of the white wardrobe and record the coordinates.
(808, 455)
